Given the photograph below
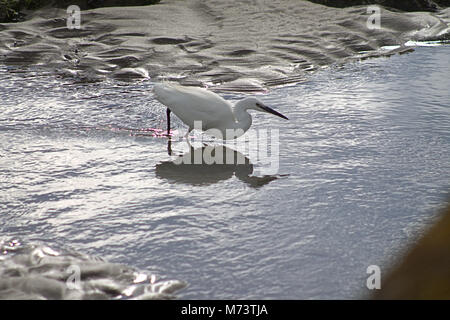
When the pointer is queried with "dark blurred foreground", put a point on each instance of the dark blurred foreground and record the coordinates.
(424, 272)
(403, 5)
(15, 10)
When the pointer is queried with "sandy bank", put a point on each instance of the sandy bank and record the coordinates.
(235, 45)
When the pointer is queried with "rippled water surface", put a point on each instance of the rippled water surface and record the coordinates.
(364, 164)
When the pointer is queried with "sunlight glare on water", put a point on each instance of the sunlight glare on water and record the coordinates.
(364, 164)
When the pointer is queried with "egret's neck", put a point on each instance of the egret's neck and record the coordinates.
(243, 118)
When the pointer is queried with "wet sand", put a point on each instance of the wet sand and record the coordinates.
(232, 45)
(34, 271)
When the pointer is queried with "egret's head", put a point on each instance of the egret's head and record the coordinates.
(258, 105)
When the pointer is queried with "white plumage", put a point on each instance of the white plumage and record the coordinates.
(192, 104)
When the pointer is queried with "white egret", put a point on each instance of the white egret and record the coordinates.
(192, 104)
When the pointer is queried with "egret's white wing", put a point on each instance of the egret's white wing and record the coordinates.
(194, 104)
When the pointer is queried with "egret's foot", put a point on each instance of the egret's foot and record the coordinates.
(188, 142)
(154, 132)
(169, 134)
(187, 139)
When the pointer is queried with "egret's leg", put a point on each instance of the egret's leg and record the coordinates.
(187, 137)
(168, 121)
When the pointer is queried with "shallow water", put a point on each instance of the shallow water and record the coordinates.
(364, 164)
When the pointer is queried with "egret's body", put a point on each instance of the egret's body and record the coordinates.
(192, 104)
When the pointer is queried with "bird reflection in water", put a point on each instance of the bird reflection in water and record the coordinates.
(198, 167)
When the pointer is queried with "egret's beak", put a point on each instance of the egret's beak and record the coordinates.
(270, 110)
